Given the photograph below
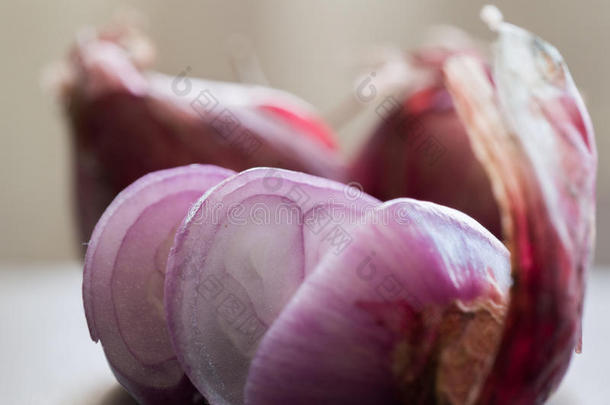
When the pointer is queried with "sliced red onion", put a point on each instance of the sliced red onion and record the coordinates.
(243, 252)
(364, 326)
(287, 288)
(534, 136)
(420, 148)
(128, 121)
(124, 278)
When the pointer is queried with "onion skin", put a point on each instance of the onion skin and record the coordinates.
(421, 150)
(534, 137)
(124, 276)
(127, 121)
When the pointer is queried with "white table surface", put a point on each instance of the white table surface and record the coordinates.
(47, 357)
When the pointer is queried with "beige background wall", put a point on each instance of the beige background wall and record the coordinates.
(304, 47)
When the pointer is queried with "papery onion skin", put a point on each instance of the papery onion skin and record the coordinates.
(127, 121)
(123, 281)
(232, 268)
(534, 137)
(367, 326)
(420, 148)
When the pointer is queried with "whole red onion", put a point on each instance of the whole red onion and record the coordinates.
(128, 121)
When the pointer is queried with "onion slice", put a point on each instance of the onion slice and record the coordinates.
(370, 325)
(124, 277)
(243, 252)
(534, 137)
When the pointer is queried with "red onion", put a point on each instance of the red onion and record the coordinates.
(420, 148)
(397, 318)
(124, 278)
(285, 288)
(128, 121)
(243, 252)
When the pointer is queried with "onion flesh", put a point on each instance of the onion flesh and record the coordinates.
(243, 252)
(124, 278)
(364, 327)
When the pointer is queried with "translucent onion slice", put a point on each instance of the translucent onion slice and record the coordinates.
(534, 137)
(366, 325)
(124, 278)
(243, 252)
